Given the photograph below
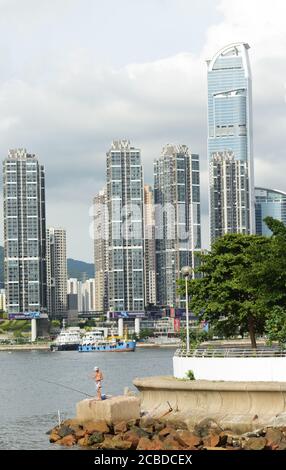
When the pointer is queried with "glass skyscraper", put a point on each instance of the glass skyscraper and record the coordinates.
(230, 151)
(24, 233)
(125, 231)
(177, 219)
(269, 203)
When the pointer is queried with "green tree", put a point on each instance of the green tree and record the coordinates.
(275, 326)
(196, 336)
(55, 323)
(229, 294)
(146, 333)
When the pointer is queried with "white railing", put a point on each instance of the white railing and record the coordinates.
(232, 352)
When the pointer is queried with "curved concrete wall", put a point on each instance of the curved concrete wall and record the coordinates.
(232, 368)
(240, 406)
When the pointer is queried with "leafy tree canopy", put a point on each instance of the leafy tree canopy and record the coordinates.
(241, 283)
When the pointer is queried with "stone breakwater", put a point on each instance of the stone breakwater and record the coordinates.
(147, 433)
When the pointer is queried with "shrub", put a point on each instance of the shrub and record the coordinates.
(190, 375)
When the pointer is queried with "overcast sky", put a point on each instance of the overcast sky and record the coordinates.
(75, 74)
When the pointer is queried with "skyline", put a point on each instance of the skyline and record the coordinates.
(68, 112)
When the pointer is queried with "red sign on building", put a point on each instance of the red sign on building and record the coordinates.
(177, 325)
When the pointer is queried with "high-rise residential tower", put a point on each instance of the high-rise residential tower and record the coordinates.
(56, 272)
(125, 232)
(101, 251)
(230, 148)
(177, 218)
(149, 246)
(269, 203)
(24, 233)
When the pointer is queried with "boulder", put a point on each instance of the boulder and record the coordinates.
(120, 427)
(132, 422)
(140, 432)
(171, 444)
(145, 444)
(255, 443)
(212, 440)
(158, 426)
(96, 426)
(207, 425)
(95, 438)
(83, 441)
(80, 433)
(146, 422)
(273, 438)
(189, 439)
(115, 442)
(112, 410)
(156, 443)
(166, 431)
(132, 437)
(67, 441)
(64, 431)
(54, 437)
(120, 444)
(72, 423)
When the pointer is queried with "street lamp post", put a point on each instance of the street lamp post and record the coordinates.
(186, 270)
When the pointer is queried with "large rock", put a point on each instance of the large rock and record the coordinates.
(132, 437)
(115, 442)
(273, 438)
(189, 439)
(99, 425)
(54, 437)
(112, 410)
(67, 441)
(255, 443)
(120, 427)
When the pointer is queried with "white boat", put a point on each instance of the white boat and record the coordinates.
(91, 338)
(68, 340)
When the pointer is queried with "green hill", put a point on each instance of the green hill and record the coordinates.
(80, 269)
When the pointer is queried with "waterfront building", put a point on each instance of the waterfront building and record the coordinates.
(101, 251)
(149, 246)
(177, 218)
(269, 203)
(125, 227)
(56, 272)
(230, 146)
(24, 233)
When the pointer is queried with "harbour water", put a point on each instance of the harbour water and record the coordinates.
(29, 405)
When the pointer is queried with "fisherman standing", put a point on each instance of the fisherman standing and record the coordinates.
(98, 377)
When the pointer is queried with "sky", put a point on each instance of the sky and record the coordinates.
(76, 74)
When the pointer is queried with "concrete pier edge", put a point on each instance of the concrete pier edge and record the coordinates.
(240, 406)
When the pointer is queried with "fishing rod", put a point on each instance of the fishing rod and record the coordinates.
(65, 386)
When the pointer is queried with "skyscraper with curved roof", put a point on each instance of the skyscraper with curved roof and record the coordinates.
(230, 148)
(269, 203)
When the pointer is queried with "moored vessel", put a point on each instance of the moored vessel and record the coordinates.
(67, 340)
(108, 345)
